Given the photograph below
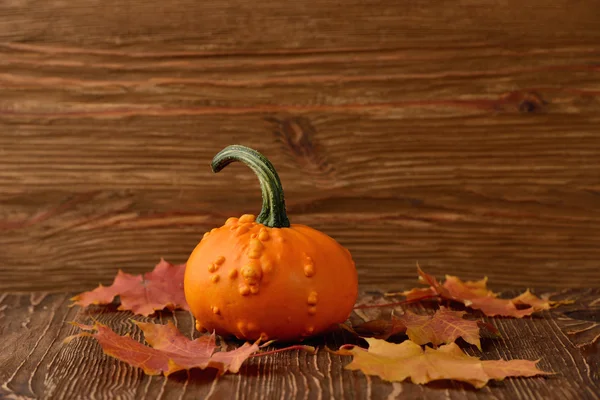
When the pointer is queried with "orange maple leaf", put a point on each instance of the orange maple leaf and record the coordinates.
(475, 294)
(156, 290)
(445, 326)
(407, 360)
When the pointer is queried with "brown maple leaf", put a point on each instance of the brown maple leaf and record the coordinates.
(170, 350)
(407, 360)
(475, 294)
(445, 326)
(156, 290)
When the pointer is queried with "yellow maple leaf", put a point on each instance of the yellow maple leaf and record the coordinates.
(407, 360)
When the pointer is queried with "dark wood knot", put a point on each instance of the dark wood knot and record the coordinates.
(523, 101)
(299, 137)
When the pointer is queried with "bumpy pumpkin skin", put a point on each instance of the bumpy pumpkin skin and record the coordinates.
(252, 281)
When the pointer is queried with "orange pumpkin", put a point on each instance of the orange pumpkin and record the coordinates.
(264, 278)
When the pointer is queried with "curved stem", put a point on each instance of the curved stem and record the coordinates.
(273, 212)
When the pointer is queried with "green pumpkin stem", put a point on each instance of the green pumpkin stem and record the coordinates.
(273, 212)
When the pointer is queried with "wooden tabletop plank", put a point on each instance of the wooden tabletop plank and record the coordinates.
(34, 363)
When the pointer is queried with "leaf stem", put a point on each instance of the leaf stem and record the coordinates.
(308, 349)
(398, 303)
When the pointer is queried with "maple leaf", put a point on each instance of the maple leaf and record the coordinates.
(170, 350)
(156, 290)
(418, 294)
(407, 360)
(475, 294)
(445, 326)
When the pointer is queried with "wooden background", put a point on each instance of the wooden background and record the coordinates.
(462, 135)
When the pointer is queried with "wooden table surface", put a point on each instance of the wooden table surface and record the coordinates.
(464, 136)
(35, 364)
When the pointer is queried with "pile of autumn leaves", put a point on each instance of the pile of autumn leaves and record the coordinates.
(170, 351)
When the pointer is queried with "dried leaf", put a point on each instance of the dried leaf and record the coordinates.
(475, 294)
(528, 298)
(487, 330)
(156, 290)
(445, 326)
(407, 360)
(170, 351)
(418, 294)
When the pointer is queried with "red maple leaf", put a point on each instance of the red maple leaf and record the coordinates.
(475, 294)
(156, 290)
(170, 350)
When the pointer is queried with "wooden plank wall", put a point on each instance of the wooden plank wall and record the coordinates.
(462, 135)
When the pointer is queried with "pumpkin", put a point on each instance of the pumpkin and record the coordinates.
(264, 278)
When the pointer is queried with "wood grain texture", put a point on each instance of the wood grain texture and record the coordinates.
(35, 363)
(464, 137)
